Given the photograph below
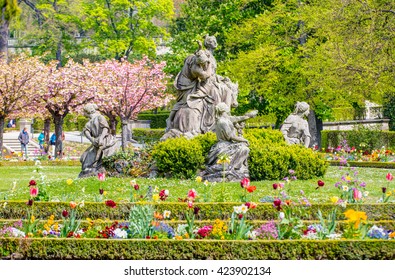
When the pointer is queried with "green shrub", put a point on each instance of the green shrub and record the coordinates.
(264, 135)
(147, 135)
(206, 141)
(208, 211)
(273, 162)
(157, 120)
(142, 249)
(178, 157)
(271, 158)
(369, 164)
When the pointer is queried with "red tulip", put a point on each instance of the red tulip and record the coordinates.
(111, 203)
(250, 189)
(32, 183)
(389, 177)
(65, 213)
(275, 186)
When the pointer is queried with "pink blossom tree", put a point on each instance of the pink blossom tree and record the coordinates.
(124, 89)
(19, 81)
(64, 90)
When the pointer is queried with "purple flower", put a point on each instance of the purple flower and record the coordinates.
(291, 172)
(362, 184)
(338, 184)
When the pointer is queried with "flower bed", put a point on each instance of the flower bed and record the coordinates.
(87, 249)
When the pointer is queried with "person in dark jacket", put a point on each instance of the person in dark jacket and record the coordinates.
(24, 139)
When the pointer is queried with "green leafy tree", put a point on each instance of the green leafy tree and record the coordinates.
(8, 10)
(126, 28)
(198, 18)
(350, 51)
(267, 60)
(51, 31)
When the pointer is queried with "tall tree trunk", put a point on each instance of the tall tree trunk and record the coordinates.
(58, 120)
(47, 130)
(59, 54)
(4, 30)
(125, 131)
(113, 122)
(2, 119)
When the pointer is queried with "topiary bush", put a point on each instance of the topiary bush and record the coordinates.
(206, 141)
(271, 158)
(178, 157)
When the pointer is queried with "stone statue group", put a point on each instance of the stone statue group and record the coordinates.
(203, 104)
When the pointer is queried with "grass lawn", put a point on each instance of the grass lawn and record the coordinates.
(119, 189)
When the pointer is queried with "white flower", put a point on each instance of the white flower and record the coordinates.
(282, 215)
(37, 162)
(243, 208)
(345, 188)
(120, 233)
(82, 204)
(334, 236)
(205, 183)
(166, 214)
(166, 192)
(237, 209)
(251, 235)
(365, 194)
(17, 233)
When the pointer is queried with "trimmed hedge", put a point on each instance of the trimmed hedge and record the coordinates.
(157, 120)
(374, 139)
(147, 135)
(86, 249)
(208, 211)
(71, 123)
(180, 157)
(271, 158)
(43, 163)
(369, 164)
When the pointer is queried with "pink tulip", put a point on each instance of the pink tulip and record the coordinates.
(357, 194)
(190, 204)
(389, 176)
(245, 183)
(33, 191)
(101, 176)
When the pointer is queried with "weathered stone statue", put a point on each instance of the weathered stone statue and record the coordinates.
(104, 144)
(199, 89)
(295, 128)
(230, 145)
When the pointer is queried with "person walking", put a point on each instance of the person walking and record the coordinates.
(24, 140)
(41, 141)
(52, 142)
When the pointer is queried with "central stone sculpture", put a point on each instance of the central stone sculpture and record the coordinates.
(199, 89)
(228, 158)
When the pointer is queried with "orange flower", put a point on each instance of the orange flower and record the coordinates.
(155, 224)
(250, 189)
(73, 204)
(288, 202)
(158, 216)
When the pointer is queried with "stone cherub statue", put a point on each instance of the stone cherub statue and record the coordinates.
(104, 144)
(295, 128)
(230, 144)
